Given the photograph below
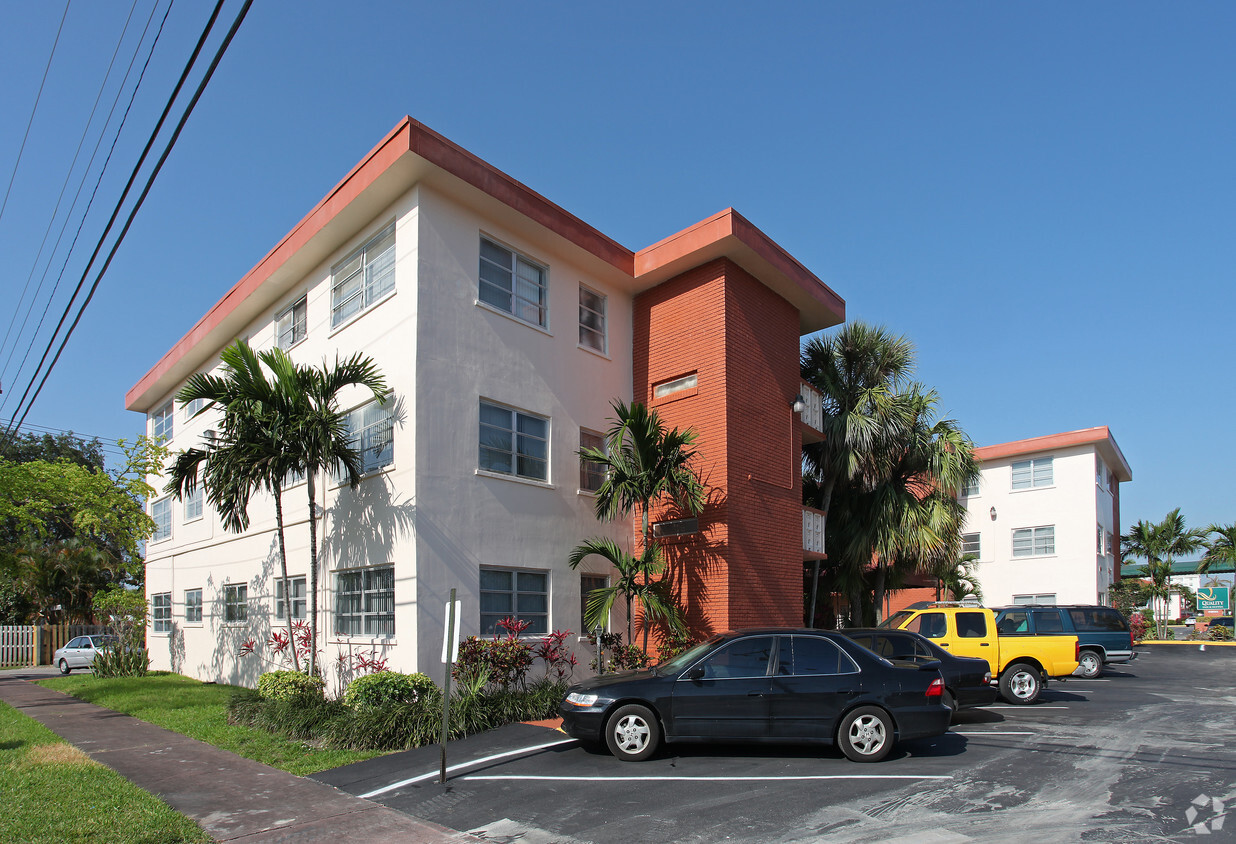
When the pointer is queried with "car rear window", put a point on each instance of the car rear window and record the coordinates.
(971, 625)
(1047, 621)
(1098, 620)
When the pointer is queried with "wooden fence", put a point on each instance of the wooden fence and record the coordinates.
(33, 644)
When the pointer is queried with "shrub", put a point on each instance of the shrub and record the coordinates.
(505, 660)
(559, 661)
(291, 686)
(672, 645)
(387, 687)
(1219, 633)
(1138, 625)
(121, 662)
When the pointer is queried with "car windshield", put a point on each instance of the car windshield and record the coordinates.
(896, 619)
(676, 664)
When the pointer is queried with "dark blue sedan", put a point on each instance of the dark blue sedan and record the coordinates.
(771, 685)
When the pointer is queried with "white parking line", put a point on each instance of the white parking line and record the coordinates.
(462, 765)
(1023, 708)
(994, 733)
(707, 779)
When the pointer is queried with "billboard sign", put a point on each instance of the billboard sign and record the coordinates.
(1212, 599)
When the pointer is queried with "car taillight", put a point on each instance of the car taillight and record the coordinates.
(987, 679)
(936, 689)
(1077, 650)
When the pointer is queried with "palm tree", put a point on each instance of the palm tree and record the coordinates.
(635, 583)
(958, 578)
(1220, 546)
(249, 452)
(1158, 544)
(857, 371)
(645, 464)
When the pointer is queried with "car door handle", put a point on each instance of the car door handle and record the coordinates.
(755, 694)
(984, 644)
(847, 691)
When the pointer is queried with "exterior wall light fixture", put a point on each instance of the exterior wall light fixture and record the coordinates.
(799, 404)
(993, 514)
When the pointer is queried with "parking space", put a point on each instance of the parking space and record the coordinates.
(1118, 758)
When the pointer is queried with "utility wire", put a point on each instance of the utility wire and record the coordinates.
(141, 199)
(184, 75)
(30, 122)
(68, 175)
(90, 204)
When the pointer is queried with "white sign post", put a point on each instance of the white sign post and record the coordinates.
(450, 653)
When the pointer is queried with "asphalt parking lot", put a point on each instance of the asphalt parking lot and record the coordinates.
(1144, 753)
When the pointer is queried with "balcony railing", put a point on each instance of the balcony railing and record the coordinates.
(813, 416)
(813, 534)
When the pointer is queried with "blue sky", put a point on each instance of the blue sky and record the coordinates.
(1039, 195)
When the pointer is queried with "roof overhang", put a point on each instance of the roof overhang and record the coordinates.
(1101, 438)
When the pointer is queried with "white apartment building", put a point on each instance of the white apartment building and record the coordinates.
(505, 327)
(1044, 518)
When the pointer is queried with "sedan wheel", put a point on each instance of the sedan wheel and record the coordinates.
(866, 734)
(1020, 684)
(633, 733)
(64, 666)
(1090, 665)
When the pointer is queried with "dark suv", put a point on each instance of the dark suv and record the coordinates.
(1103, 634)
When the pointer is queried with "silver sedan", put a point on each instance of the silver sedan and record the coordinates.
(80, 652)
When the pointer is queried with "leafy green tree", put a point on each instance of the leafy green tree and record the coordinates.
(646, 463)
(857, 371)
(1158, 544)
(50, 448)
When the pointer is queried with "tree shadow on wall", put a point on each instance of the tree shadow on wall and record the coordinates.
(363, 524)
(693, 561)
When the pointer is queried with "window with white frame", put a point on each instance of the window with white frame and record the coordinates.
(1034, 542)
(194, 407)
(1098, 538)
(364, 278)
(591, 319)
(1111, 548)
(971, 544)
(296, 585)
(365, 602)
(1028, 474)
(589, 583)
(513, 442)
(193, 504)
(677, 385)
(970, 488)
(1027, 600)
(161, 612)
(522, 594)
(1100, 471)
(291, 325)
(235, 603)
(591, 473)
(372, 429)
(161, 422)
(161, 512)
(193, 606)
(514, 284)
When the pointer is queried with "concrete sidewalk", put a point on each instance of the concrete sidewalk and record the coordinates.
(232, 798)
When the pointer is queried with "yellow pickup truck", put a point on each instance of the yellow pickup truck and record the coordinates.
(1022, 663)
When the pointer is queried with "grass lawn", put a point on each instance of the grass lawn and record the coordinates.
(199, 710)
(53, 793)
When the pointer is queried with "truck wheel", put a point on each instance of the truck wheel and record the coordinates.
(1090, 665)
(1020, 683)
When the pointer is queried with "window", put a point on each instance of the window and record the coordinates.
(1032, 473)
(193, 504)
(161, 612)
(1100, 472)
(514, 443)
(971, 625)
(193, 407)
(161, 422)
(929, 624)
(1111, 549)
(371, 427)
(1014, 622)
(742, 659)
(587, 583)
(365, 602)
(193, 606)
(1034, 542)
(514, 593)
(290, 325)
(971, 488)
(1098, 538)
(1098, 620)
(665, 388)
(296, 585)
(512, 283)
(1025, 600)
(676, 527)
(591, 319)
(591, 474)
(363, 278)
(971, 543)
(1047, 622)
(809, 655)
(235, 603)
(161, 512)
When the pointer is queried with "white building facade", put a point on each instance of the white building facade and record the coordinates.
(503, 326)
(1044, 518)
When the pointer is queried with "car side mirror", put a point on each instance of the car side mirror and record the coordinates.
(696, 673)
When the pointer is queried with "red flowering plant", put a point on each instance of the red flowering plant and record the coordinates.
(559, 661)
(502, 661)
(280, 646)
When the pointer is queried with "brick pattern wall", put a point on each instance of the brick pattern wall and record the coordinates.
(744, 568)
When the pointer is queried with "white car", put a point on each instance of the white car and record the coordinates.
(80, 652)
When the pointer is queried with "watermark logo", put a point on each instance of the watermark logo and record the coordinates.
(1205, 814)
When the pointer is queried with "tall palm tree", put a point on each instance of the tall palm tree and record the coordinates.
(645, 463)
(857, 371)
(1158, 544)
(249, 452)
(636, 582)
(1220, 546)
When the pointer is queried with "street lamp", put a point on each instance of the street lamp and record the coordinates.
(596, 637)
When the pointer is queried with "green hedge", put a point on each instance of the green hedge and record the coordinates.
(391, 687)
(290, 686)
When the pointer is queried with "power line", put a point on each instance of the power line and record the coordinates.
(90, 203)
(30, 122)
(69, 174)
(140, 200)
